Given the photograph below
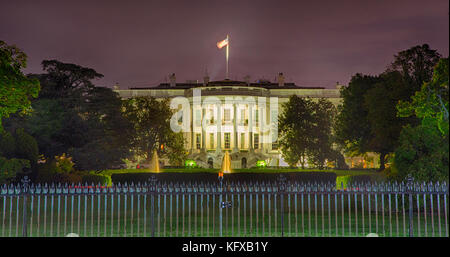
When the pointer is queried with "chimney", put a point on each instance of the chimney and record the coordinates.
(116, 86)
(247, 79)
(339, 86)
(206, 78)
(172, 80)
(280, 79)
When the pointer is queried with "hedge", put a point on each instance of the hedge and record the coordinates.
(96, 179)
(211, 177)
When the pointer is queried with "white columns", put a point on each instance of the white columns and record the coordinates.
(235, 149)
(219, 128)
(250, 127)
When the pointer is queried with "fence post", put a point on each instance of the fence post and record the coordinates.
(220, 203)
(409, 188)
(282, 189)
(152, 197)
(25, 187)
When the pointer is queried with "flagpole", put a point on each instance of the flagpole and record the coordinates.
(226, 77)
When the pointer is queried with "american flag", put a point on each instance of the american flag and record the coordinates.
(222, 43)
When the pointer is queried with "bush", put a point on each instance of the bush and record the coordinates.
(424, 153)
(64, 163)
(26, 147)
(50, 172)
(96, 179)
(10, 168)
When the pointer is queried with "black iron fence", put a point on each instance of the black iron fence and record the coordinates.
(272, 208)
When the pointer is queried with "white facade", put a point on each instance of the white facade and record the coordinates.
(233, 122)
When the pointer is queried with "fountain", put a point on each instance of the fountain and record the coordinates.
(226, 164)
(154, 163)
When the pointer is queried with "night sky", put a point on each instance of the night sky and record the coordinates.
(139, 43)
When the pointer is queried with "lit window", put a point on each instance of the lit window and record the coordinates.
(227, 140)
(256, 141)
(226, 115)
(198, 140)
(243, 116)
(211, 140)
(211, 116)
(242, 140)
(275, 145)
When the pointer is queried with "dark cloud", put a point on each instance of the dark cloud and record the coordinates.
(138, 43)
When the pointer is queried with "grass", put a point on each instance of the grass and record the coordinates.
(199, 216)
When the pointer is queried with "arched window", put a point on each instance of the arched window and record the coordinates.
(210, 162)
(244, 163)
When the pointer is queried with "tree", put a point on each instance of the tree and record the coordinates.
(66, 81)
(352, 126)
(76, 117)
(45, 124)
(305, 131)
(10, 168)
(380, 103)
(367, 121)
(424, 149)
(17, 151)
(321, 132)
(430, 104)
(416, 65)
(15, 88)
(424, 153)
(294, 124)
(26, 147)
(151, 129)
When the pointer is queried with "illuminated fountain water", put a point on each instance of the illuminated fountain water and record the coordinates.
(154, 163)
(226, 163)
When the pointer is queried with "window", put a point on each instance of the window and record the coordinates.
(180, 116)
(211, 116)
(198, 140)
(275, 145)
(226, 115)
(211, 140)
(243, 117)
(227, 140)
(242, 140)
(256, 141)
(256, 116)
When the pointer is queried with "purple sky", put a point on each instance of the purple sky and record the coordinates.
(139, 43)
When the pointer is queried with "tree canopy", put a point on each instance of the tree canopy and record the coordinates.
(151, 129)
(305, 131)
(424, 149)
(16, 89)
(368, 121)
(75, 117)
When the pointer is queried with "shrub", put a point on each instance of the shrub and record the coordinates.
(375, 178)
(26, 146)
(64, 163)
(424, 153)
(96, 179)
(50, 172)
(9, 168)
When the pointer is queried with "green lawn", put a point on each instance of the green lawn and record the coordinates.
(199, 216)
